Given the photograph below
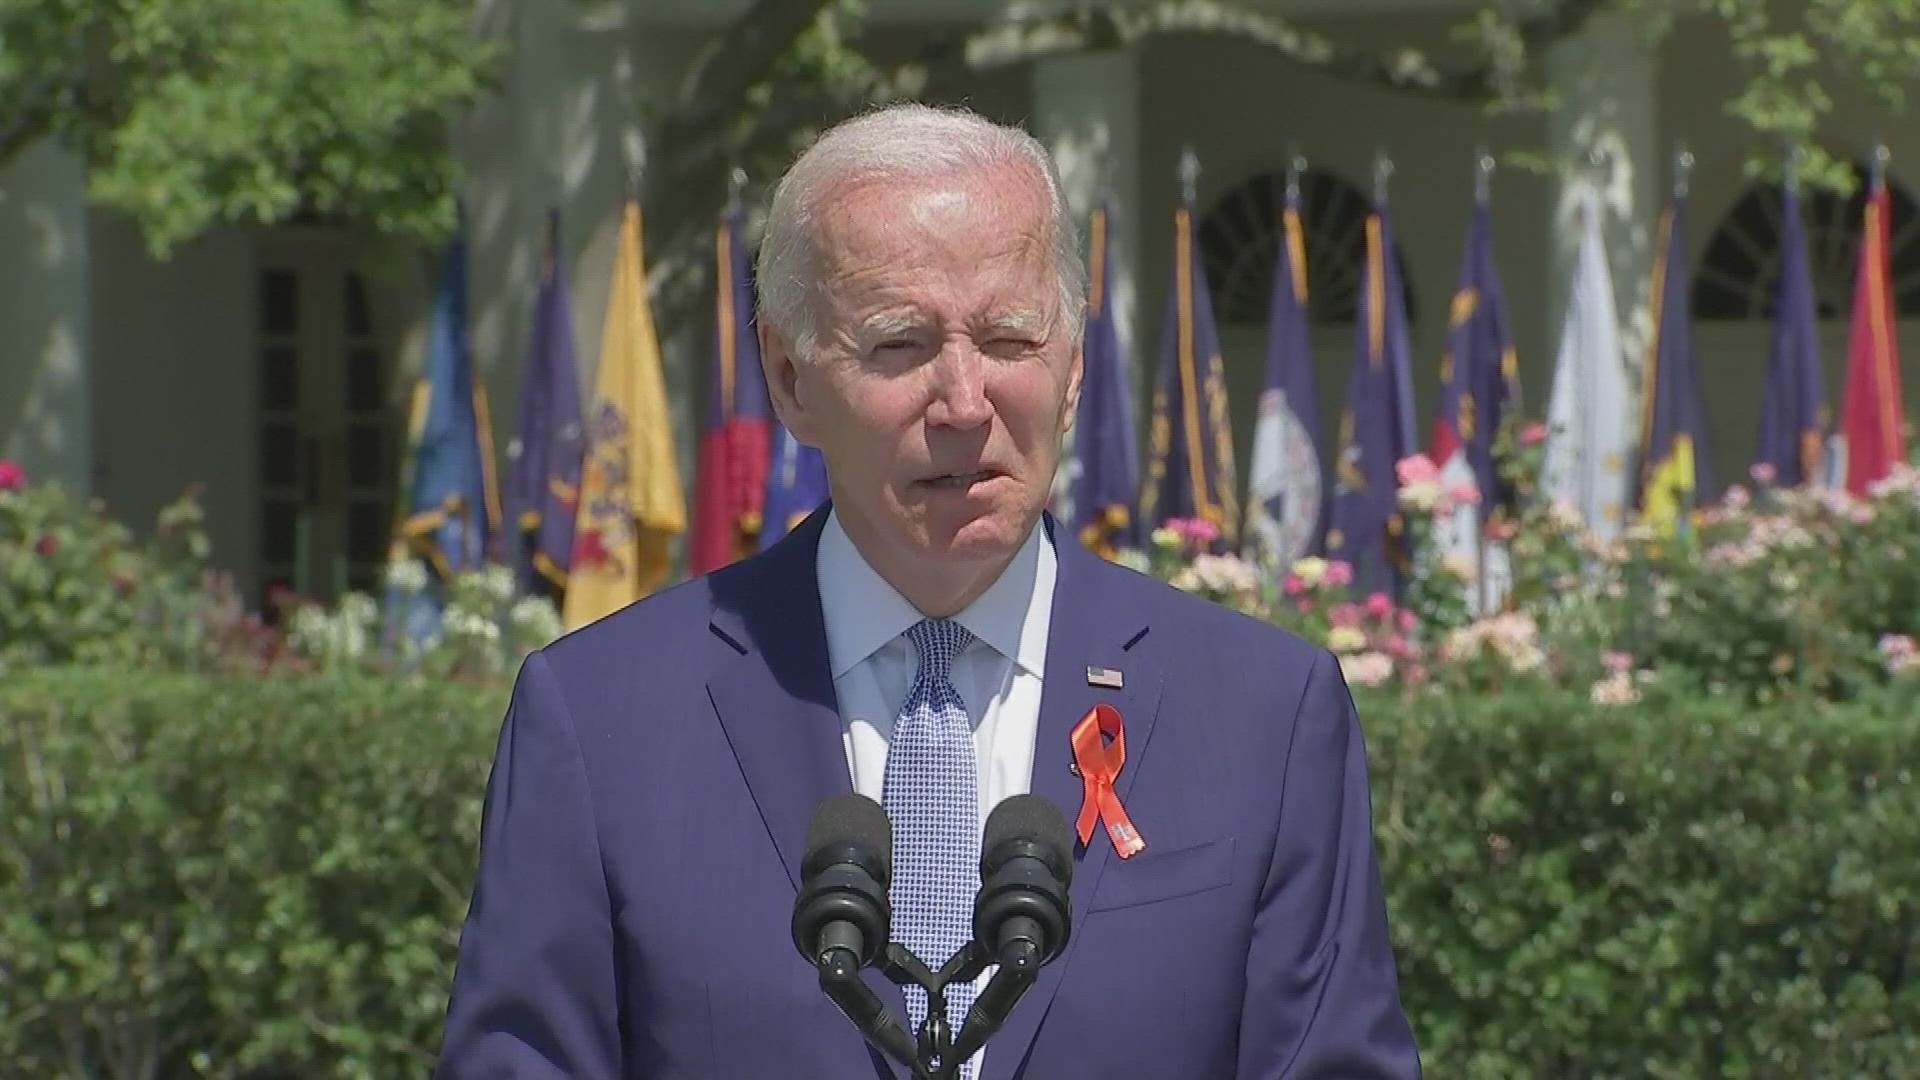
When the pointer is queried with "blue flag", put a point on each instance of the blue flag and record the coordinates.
(543, 460)
(1480, 374)
(1674, 472)
(1286, 483)
(1190, 471)
(1376, 428)
(796, 486)
(1106, 473)
(454, 506)
(1793, 414)
(452, 501)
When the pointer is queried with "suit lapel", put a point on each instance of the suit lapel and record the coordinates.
(775, 701)
(1091, 626)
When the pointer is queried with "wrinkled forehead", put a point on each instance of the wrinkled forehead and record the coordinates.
(988, 212)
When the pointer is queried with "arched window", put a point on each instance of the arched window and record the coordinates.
(1740, 272)
(1240, 237)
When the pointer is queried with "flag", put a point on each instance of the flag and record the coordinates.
(1872, 437)
(796, 486)
(631, 504)
(1104, 465)
(1376, 428)
(1590, 419)
(1479, 382)
(1792, 414)
(1286, 486)
(730, 483)
(1675, 472)
(543, 460)
(1190, 470)
(454, 503)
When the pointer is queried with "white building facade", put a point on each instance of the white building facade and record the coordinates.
(272, 365)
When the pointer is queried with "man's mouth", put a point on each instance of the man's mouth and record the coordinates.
(959, 480)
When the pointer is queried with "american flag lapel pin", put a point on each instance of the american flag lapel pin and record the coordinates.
(1107, 677)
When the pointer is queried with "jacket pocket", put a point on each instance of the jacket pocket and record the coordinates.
(1153, 876)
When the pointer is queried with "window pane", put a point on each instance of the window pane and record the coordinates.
(277, 521)
(365, 389)
(279, 454)
(367, 530)
(359, 322)
(279, 301)
(366, 459)
(279, 377)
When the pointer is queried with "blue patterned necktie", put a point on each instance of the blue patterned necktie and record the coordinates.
(930, 796)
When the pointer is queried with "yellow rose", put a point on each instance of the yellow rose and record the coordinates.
(1346, 639)
(1310, 570)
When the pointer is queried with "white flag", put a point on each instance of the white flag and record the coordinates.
(1590, 417)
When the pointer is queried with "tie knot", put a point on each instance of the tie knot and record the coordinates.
(938, 641)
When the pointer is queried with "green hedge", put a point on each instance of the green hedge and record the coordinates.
(255, 878)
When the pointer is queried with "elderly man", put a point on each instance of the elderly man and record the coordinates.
(928, 639)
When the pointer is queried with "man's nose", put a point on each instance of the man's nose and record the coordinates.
(960, 391)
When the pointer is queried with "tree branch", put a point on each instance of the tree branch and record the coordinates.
(1023, 40)
(737, 59)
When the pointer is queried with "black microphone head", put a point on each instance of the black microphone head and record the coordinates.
(840, 915)
(850, 823)
(1035, 820)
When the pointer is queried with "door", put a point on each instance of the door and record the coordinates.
(327, 422)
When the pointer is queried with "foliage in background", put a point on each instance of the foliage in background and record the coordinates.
(233, 877)
(245, 877)
(76, 588)
(197, 113)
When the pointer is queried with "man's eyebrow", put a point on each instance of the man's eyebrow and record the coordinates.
(1019, 320)
(890, 323)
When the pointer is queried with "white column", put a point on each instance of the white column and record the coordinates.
(1086, 109)
(1607, 82)
(46, 414)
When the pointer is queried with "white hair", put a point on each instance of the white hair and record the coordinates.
(906, 141)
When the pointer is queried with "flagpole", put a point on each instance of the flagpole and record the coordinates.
(1482, 196)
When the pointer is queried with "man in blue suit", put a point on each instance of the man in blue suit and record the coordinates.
(931, 640)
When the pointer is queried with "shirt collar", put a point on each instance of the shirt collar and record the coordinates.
(862, 612)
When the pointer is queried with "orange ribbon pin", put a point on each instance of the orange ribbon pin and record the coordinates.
(1099, 763)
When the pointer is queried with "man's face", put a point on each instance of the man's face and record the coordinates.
(944, 375)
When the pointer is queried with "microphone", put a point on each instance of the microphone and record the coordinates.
(1022, 916)
(840, 917)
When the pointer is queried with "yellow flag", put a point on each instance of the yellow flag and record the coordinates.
(631, 505)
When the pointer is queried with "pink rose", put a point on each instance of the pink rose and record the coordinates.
(1619, 663)
(1339, 573)
(1763, 473)
(1467, 494)
(12, 476)
(1418, 469)
(1533, 434)
(1379, 605)
(1303, 605)
(1408, 620)
(1293, 586)
(1344, 615)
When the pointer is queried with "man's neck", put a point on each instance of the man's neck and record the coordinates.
(939, 591)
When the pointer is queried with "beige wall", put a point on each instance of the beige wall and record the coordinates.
(173, 386)
(45, 397)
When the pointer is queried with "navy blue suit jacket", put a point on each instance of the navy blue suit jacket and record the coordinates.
(656, 772)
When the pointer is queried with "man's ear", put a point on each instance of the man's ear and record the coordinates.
(782, 370)
(1074, 377)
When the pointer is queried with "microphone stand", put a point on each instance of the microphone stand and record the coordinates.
(1019, 962)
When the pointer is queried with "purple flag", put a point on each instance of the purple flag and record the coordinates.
(1190, 471)
(1286, 482)
(1104, 456)
(543, 460)
(1376, 429)
(1792, 421)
